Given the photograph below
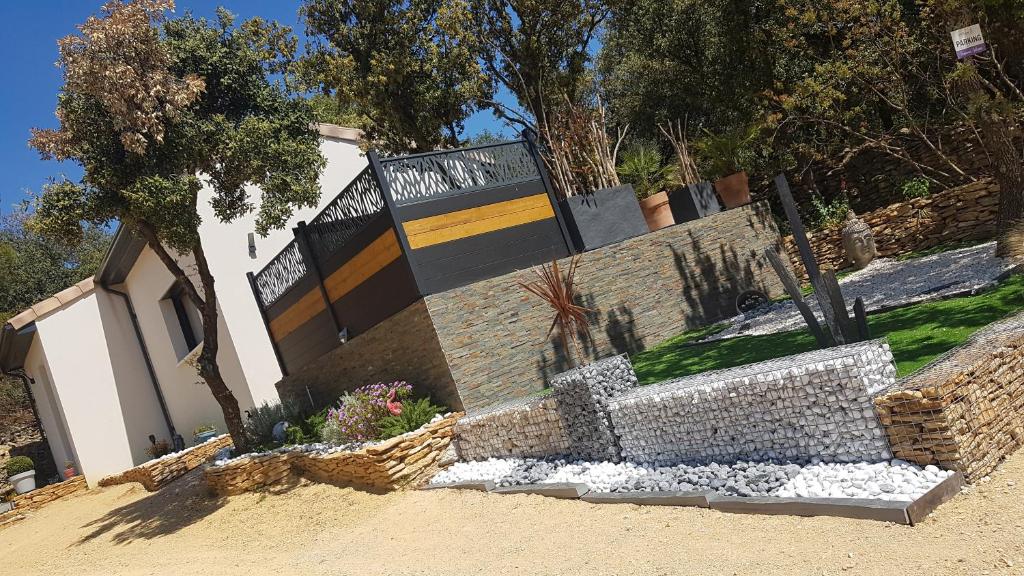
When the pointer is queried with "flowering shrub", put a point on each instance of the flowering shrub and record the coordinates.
(358, 414)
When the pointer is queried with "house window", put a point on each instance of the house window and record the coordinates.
(184, 324)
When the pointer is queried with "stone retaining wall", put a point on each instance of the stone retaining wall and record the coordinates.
(392, 464)
(816, 404)
(41, 497)
(641, 291)
(964, 411)
(962, 214)
(158, 472)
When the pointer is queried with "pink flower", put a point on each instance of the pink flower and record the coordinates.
(394, 406)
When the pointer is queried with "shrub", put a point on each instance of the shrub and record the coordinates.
(414, 415)
(915, 188)
(260, 426)
(331, 432)
(359, 413)
(19, 464)
(295, 435)
(829, 213)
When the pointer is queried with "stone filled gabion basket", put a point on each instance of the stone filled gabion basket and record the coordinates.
(583, 396)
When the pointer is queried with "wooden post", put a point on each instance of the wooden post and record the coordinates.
(531, 143)
(862, 319)
(377, 169)
(305, 248)
(840, 313)
(793, 289)
(266, 322)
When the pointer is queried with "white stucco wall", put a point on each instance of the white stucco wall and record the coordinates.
(189, 401)
(94, 393)
(227, 252)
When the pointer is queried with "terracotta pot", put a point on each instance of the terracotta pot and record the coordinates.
(657, 211)
(733, 190)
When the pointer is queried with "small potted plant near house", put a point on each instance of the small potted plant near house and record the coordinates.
(69, 470)
(726, 154)
(21, 473)
(203, 433)
(643, 166)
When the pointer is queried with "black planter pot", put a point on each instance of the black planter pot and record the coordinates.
(693, 201)
(602, 218)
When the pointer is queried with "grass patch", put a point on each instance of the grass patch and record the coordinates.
(917, 334)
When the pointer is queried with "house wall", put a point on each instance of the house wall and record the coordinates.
(96, 401)
(227, 251)
(189, 401)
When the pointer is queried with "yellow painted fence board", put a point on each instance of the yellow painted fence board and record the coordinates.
(475, 221)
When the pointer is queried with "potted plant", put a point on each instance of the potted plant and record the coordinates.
(643, 166)
(726, 154)
(69, 470)
(695, 197)
(21, 473)
(203, 433)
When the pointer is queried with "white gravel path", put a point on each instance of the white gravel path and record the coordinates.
(890, 480)
(885, 283)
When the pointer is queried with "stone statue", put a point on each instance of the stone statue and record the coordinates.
(858, 241)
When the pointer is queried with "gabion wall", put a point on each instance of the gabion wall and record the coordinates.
(529, 428)
(817, 404)
(583, 397)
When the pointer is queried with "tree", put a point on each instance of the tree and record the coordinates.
(408, 67)
(154, 109)
(987, 89)
(34, 267)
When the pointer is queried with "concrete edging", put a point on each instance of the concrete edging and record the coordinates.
(908, 513)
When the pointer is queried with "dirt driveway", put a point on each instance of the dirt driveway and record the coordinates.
(316, 529)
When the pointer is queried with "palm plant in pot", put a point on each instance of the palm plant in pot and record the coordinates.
(726, 154)
(644, 167)
(21, 473)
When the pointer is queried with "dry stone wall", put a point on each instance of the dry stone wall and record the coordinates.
(813, 405)
(962, 214)
(964, 411)
(41, 497)
(158, 472)
(389, 465)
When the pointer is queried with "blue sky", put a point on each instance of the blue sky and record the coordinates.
(29, 30)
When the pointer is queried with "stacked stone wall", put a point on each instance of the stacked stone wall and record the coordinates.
(640, 291)
(389, 465)
(158, 472)
(965, 411)
(963, 214)
(41, 497)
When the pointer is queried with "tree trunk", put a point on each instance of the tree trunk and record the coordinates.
(1009, 174)
(206, 303)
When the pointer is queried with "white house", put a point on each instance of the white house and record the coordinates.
(108, 359)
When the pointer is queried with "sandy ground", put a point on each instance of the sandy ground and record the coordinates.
(316, 529)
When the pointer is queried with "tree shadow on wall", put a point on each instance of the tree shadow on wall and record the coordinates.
(713, 278)
(620, 337)
(184, 502)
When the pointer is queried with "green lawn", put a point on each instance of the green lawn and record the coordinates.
(917, 334)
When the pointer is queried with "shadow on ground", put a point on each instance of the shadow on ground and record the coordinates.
(178, 505)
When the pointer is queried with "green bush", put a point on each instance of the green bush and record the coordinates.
(19, 464)
(828, 214)
(295, 435)
(260, 426)
(414, 414)
(915, 188)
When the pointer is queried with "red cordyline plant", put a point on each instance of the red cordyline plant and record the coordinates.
(560, 293)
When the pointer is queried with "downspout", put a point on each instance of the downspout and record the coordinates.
(148, 360)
